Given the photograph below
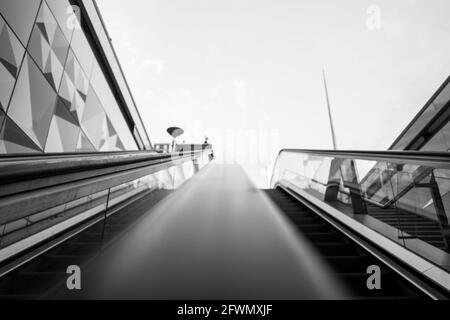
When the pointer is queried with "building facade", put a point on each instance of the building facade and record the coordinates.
(62, 88)
(430, 128)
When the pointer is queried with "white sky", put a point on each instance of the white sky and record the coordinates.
(210, 65)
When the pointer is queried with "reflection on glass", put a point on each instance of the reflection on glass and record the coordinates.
(127, 190)
(11, 55)
(13, 231)
(406, 201)
(74, 87)
(61, 11)
(60, 52)
(111, 107)
(83, 143)
(98, 127)
(48, 47)
(33, 103)
(20, 15)
(437, 143)
(13, 139)
(83, 51)
(64, 131)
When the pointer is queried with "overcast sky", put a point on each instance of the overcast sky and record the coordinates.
(236, 65)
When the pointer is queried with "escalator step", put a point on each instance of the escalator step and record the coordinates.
(348, 264)
(345, 259)
(313, 228)
(31, 283)
(337, 249)
(324, 237)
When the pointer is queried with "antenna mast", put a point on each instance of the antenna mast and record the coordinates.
(333, 136)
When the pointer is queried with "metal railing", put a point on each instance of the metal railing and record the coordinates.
(43, 196)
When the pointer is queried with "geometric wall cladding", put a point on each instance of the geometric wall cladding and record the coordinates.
(98, 126)
(59, 9)
(94, 120)
(83, 144)
(32, 103)
(11, 55)
(48, 46)
(74, 86)
(64, 131)
(47, 101)
(20, 15)
(13, 139)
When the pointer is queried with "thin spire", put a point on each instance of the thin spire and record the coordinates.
(333, 136)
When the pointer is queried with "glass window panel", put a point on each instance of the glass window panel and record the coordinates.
(94, 121)
(83, 51)
(2, 118)
(77, 75)
(446, 131)
(74, 87)
(443, 181)
(443, 98)
(14, 140)
(437, 143)
(64, 131)
(11, 55)
(422, 121)
(98, 127)
(403, 142)
(112, 109)
(20, 15)
(83, 144)
(48, 47)
(32, 103)
(417, 200)
(99, 83)
(62, 10)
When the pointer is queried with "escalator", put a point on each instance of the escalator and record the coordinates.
(44, 276)
(314, 235)
(41, 276)
(347, 260)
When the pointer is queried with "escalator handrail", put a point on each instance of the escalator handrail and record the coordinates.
(17, 167)
(25, 193)
(426, 158)
(417, 156)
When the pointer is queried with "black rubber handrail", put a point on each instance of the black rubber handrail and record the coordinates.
(437, 159)
(29, 167)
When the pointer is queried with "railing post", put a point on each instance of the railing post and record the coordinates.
(350, 179)
(356, 194)
(440, 210)
(334, 180)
